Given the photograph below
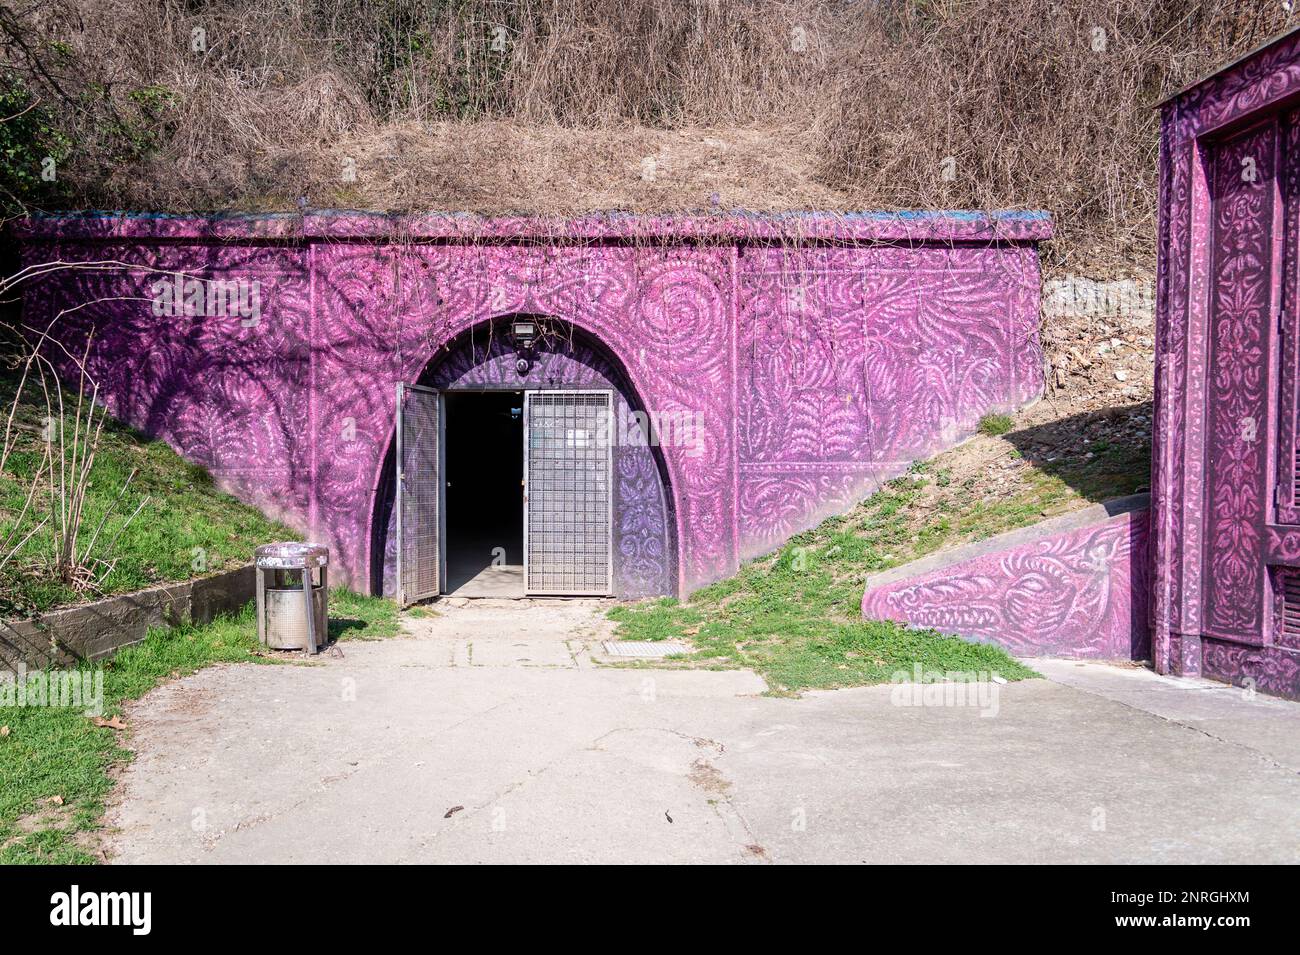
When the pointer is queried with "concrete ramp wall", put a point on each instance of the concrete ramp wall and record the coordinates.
(1073, 586)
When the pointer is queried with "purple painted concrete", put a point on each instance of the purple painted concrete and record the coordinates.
(1226, 517)
(822, 353)
(1074, 586)
(943, 227)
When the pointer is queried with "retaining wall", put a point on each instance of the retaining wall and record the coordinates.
(97, 630)
(1073, 586)
(822, 353)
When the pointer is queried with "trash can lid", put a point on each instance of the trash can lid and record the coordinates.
(291, 555)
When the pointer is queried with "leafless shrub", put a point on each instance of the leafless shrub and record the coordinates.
(499, 105)
(1038, 104)
(54, 507)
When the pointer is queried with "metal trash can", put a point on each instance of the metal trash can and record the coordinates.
(290, 576)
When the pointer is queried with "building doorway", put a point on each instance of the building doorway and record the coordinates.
(484, 493)
(593, 515)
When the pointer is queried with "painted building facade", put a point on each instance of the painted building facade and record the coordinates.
(802, 360)
(1226, 476)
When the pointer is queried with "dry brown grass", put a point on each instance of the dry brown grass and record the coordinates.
(770, 104)
(502, 165)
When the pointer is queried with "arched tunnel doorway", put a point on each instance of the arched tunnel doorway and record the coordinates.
(495, 393)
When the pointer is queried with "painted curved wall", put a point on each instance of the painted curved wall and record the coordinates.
(821, 354)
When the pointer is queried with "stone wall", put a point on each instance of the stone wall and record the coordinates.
(97, 630)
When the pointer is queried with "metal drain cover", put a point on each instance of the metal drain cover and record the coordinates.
(645, 649)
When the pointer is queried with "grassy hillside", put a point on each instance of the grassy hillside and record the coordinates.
(795, 615)
(57, 762)
(184, 527)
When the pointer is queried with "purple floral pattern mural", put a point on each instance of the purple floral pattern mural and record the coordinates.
(1081, 592)
(1223, 509)
(819, 353)
(1238, 411)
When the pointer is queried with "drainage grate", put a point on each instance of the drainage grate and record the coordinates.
(644, 648)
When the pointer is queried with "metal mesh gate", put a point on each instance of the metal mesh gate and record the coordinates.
(418, 491)
(568, 546)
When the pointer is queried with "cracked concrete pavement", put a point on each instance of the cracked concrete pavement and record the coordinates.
(493, 733)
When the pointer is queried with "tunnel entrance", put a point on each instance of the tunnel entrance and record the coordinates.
(522, 474)
(484, 493)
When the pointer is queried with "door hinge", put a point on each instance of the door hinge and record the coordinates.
(1281, 321)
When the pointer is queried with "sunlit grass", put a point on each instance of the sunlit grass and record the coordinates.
(187, 527)
(795, 615)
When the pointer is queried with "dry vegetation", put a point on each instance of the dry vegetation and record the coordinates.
(557, 105)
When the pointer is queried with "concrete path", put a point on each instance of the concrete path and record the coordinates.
(493, 735)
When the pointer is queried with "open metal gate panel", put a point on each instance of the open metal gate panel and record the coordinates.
(568, 493)
(419, 491)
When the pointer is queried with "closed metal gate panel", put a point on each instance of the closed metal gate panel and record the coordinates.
(418, 491)
(568, 501)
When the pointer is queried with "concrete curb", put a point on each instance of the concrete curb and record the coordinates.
(97, 630)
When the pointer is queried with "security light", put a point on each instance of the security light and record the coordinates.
(524, 333)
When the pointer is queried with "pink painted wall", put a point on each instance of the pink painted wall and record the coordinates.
(1226, 520)
(824, 353)
(1075, 586)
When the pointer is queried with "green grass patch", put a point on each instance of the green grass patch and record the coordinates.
(660, 619)
(354, 617)
(794, 616)
(56, 764)
(995, 424)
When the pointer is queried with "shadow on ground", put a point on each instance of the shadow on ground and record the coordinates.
(1100, 454)
(339, 626)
